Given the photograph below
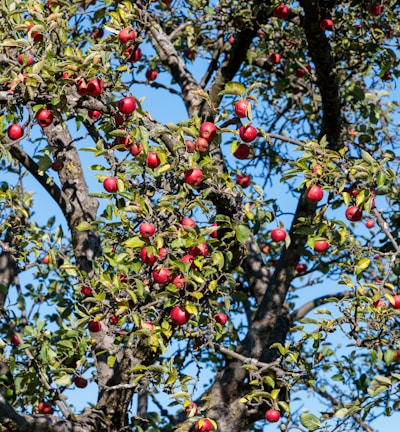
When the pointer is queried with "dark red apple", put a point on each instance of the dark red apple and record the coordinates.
(110, 184)
(243, 180)
(375, 9)
(201, 249)
(93, 114)
(146, 257)
(321, 245)
(326, 24)
(127, 105)
(282, 11)
(152, 160)
(44, 117)
(300, 72)
(37, 37)
(208, 131)
(86, 291)
(248, 133)
(94, 326)
(194, 176)
(204, 425)
(242, 108)
(15, 131)
(190, 145)
(57, 165)
(272, 415)
(179, 315)
(80, 382)
(147, 229)
(188, 222)
(242, 152)
(81, 87)
(278, 234)
(301, 268)
(162, 275)
(15, 339)
(314, 194)
(136, 148)
(275, 58)
(45, 408)
(97, 33)
(151, 74)
(95, 87)
(201, 145)
(25, 60)
(221, 318)
(396, 302)
(126, 34)
(353, 213)
(134, 54)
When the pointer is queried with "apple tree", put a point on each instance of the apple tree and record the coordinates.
(207, 272)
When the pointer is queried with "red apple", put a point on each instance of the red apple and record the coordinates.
(188, 259)
(136, 148)
(243, 180)
(375, 9)
(178, 280)
(15, 339)
(326, 24)
(86, 291)
(396, 302)
(314, 194)
(278, 234)
(147, 229)
(242, 108)
(152, 160)
(275, 58)
(80, 382)
(188, 222)
(45, 408)
(95, 87)
(97, 33)
(93, 114)
(114, 320)
(208, 131)
(37, 37)
(151, 74)
(15, 131)
(44, 117)
(57, 165)
(248, 133)
(194, 176)
(380, 303)
(370, 223)
(25, 59)
(282, 11)
(190, 408)
(146, 257)
(147, 325)
(190, 145)
(46, 259)
(317, 169)
(201, 145)
(119, 119)
(353, 213)
(201, 249)
(127, 105)
(272, 415)
(126, 34)
(133, 53)
(162, 275)
(214, 234)
(231, 40)
(81, 87)
(301, 268)
(110, 184)
(179, 315)
(321, 245)
(242, 152)
(221, 318)
(300, 72)
(204, 425)
(94, 326)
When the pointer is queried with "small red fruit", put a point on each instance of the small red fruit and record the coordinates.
(152, 160)
(243, 180)
(95, 87)
(187, 259)
(190, 408)
(272, 415)
(301, 268)
(80, 382)
(46, 259)
(370, 223)
(201, 249)
(44, 117)
(86, 291)
(179, 281)
(151, 74)
(300, 72)
(15, 339)
(194, 176)
(97, 33)
(179, 315)
(326, 24)
(147, 230)
(93, 114)
(190, 146)
(248, 133)
(81, 87)
(201, 145)
(136, 148)
(380, 303)
(208, 131)
(15, 131)
(314, 194)
(321, 245)
(26, 60)
(146, 257)
(278, 234)
(57, 165)
(127, 105)
(204, 425)
(317, 169)
(242, 107)
(242, 152)
(37, 37)
(221, 318)
(94, 326)
(162, 275)
(282, 11)
(188, 222)
(127, 34)
(353, 213)
(396, 302)
(275, 58)
(134, 54)
(375, 9)
(45, 408)
(110, 184)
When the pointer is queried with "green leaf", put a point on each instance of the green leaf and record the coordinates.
(341, 413)
(310, 421)
(362, 265)
(84, 226)
(111, 361)
(233, 88)
(242, 233)
(133, 242)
